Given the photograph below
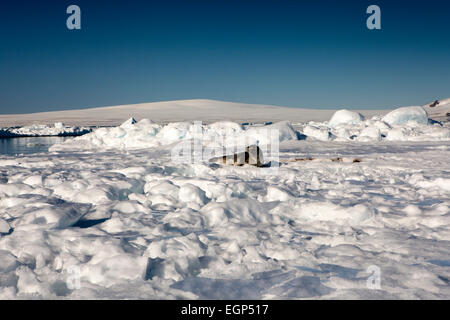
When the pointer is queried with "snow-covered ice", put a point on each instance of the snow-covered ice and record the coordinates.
(110, 214)
(36, 130)
(403, 124)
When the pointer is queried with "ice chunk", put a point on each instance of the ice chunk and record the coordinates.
(14, 189)
(27, 282)
(243, 211)
(344, 116)
(7, 261)
(342, 133)
(277, 194)
(264, 134)
(439, 183)
(162, 187)
(321, 134)
(33, 180)
(327, 211)
(175, 258)
(62, 216)
(370, 134)
(173, 132)
(122, 266)
(4, 226)
(285, 130)
(406, 114)
(191, 193)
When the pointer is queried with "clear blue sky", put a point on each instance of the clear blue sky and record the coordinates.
(294, 53)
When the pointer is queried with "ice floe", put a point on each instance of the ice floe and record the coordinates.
(58, 129)
(110, 214)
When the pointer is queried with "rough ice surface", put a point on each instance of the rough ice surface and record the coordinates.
(146, 134)
(344, 126)
(134, 224)
(402, 124)
(112, 215)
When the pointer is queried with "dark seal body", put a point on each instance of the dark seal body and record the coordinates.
(252, 156)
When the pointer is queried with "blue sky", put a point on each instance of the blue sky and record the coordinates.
(316, 53)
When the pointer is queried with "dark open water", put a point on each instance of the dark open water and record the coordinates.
(27, 145)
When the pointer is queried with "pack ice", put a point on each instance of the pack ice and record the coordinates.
(57, 129)
(112, 215)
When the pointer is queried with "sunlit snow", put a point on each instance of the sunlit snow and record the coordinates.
(110, 214)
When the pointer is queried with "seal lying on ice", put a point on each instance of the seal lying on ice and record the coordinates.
(252, 155)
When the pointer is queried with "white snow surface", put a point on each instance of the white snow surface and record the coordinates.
(112, 215)
(134, 224)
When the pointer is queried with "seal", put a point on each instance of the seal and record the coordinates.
(252, 155)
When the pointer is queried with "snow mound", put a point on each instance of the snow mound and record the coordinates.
(61, 216)
(241, 211)
(405, 115)
(191, 193)
(108, 270)
(345, 117)
(324, 211)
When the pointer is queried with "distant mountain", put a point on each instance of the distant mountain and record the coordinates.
(170, 111)
(203, 110)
